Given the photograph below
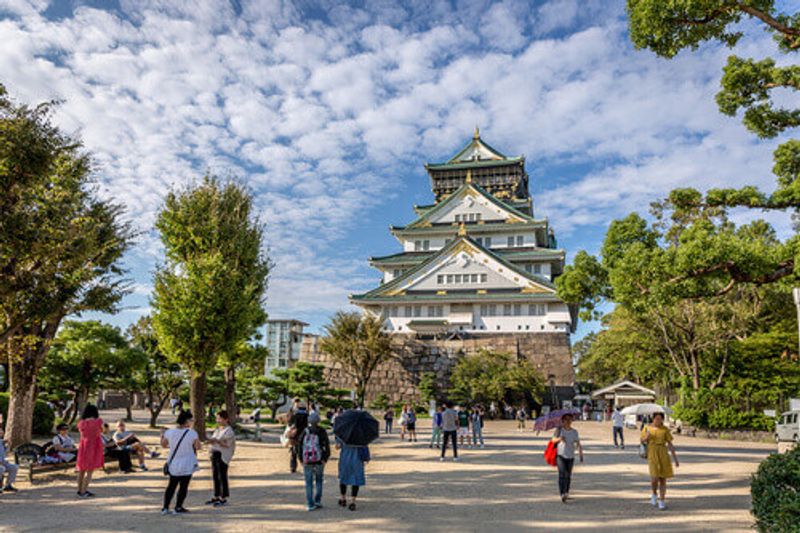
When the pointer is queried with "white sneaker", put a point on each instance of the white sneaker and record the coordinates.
(653, 500)
(481, 446)
(441, 459)
(661, 505)
(455, 459)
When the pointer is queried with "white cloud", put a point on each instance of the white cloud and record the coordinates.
(325, 120)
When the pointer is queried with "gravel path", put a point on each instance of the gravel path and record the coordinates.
(505, 487)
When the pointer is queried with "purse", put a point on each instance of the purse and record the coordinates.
(643, 451)
(172, 453)
(550, 453)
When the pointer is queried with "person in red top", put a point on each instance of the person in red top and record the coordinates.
(90, 449)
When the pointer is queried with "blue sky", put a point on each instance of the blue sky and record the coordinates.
(328, 111)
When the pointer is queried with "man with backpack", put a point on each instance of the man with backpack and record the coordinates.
(315, 449)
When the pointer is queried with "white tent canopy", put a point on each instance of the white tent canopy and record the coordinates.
(625, 392)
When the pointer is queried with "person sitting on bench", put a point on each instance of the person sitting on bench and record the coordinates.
(63, 444)
(114, 451)
(127, 441)
(7, 468)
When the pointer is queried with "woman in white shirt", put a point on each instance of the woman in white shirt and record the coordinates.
(223, 443)
(567, 439)
(183, 443)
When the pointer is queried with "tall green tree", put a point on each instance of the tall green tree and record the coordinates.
(60, 246)
(487, 377)
(85, 356)
(209, 293)
(158, 378)
(748, 86)
(359, 344)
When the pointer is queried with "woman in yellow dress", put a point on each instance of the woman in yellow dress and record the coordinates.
(659, 441)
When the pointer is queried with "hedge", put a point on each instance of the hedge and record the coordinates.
(775, 488)
(43, 416)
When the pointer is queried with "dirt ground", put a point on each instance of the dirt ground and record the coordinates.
(505, 487)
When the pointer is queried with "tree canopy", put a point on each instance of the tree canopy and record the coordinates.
(209, 293)
(359, 344)
(487, 377)
(60, 246)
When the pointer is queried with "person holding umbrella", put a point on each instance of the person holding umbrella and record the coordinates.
(354, 430)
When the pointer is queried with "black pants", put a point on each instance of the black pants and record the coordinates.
(564, 473)
(219, 469)
(618, 431)
(295, 451)
(343, 490)
(123, 457)
(174, 482)
(447, 436)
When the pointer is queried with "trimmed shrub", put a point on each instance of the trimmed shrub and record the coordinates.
(775, 488)
(43, 416)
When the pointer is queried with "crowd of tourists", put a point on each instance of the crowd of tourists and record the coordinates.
(310, 447)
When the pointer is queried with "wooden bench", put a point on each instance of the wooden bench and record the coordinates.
(27, 457)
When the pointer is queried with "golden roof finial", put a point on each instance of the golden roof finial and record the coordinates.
(462, 230)
(477, 134)
(469, 176)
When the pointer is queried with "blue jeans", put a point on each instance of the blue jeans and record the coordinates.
(477, 434)
(314, 473)
(618, 431)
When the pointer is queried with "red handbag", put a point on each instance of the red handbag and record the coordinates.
(550, 453)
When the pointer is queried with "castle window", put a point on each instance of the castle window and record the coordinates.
(487, 242)
(440, 279)
(483, 278)
(537, 269)
(520, 240)
(517, 309)
(510, 241)
(506, 309)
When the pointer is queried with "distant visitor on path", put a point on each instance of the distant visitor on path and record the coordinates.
(403, 422)
(223, 444)
(316, 450)
(436, 427)
(7, 469)
(658, 440)
(449, 429)
(522, 416)
(351, 471)
(297, 422)
(618, 427)
(463, 426)
(91, 450)
(388, 418)
(476, 422)
(183, 443)
(411, 424)
(567, 440)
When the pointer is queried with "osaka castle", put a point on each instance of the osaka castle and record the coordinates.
(477, 261)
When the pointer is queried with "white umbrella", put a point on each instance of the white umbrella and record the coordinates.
(645, 409)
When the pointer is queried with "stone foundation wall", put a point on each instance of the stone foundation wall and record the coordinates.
(398, 378)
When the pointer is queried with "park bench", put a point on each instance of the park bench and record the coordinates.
(27, 456)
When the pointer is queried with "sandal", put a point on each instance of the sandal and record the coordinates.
(342, 502)
(352, 506)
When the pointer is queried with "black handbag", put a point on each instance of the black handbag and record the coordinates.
(172, 453)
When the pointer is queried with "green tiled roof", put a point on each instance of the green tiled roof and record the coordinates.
(456, 298)
(480, 163)
(377, 292)
(472, 228)
(413, 258)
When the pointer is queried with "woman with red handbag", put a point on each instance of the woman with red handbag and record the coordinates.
(566, 439)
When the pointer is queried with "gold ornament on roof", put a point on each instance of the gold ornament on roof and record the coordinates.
(462, 230)
(469, 176)
(477, 134)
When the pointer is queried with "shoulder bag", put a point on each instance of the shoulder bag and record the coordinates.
(173, 452)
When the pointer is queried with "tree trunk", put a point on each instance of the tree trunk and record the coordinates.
(154, 412)
(695, 373)
(230, 394)
(22, 383)
(197, 398)
(128, 413)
